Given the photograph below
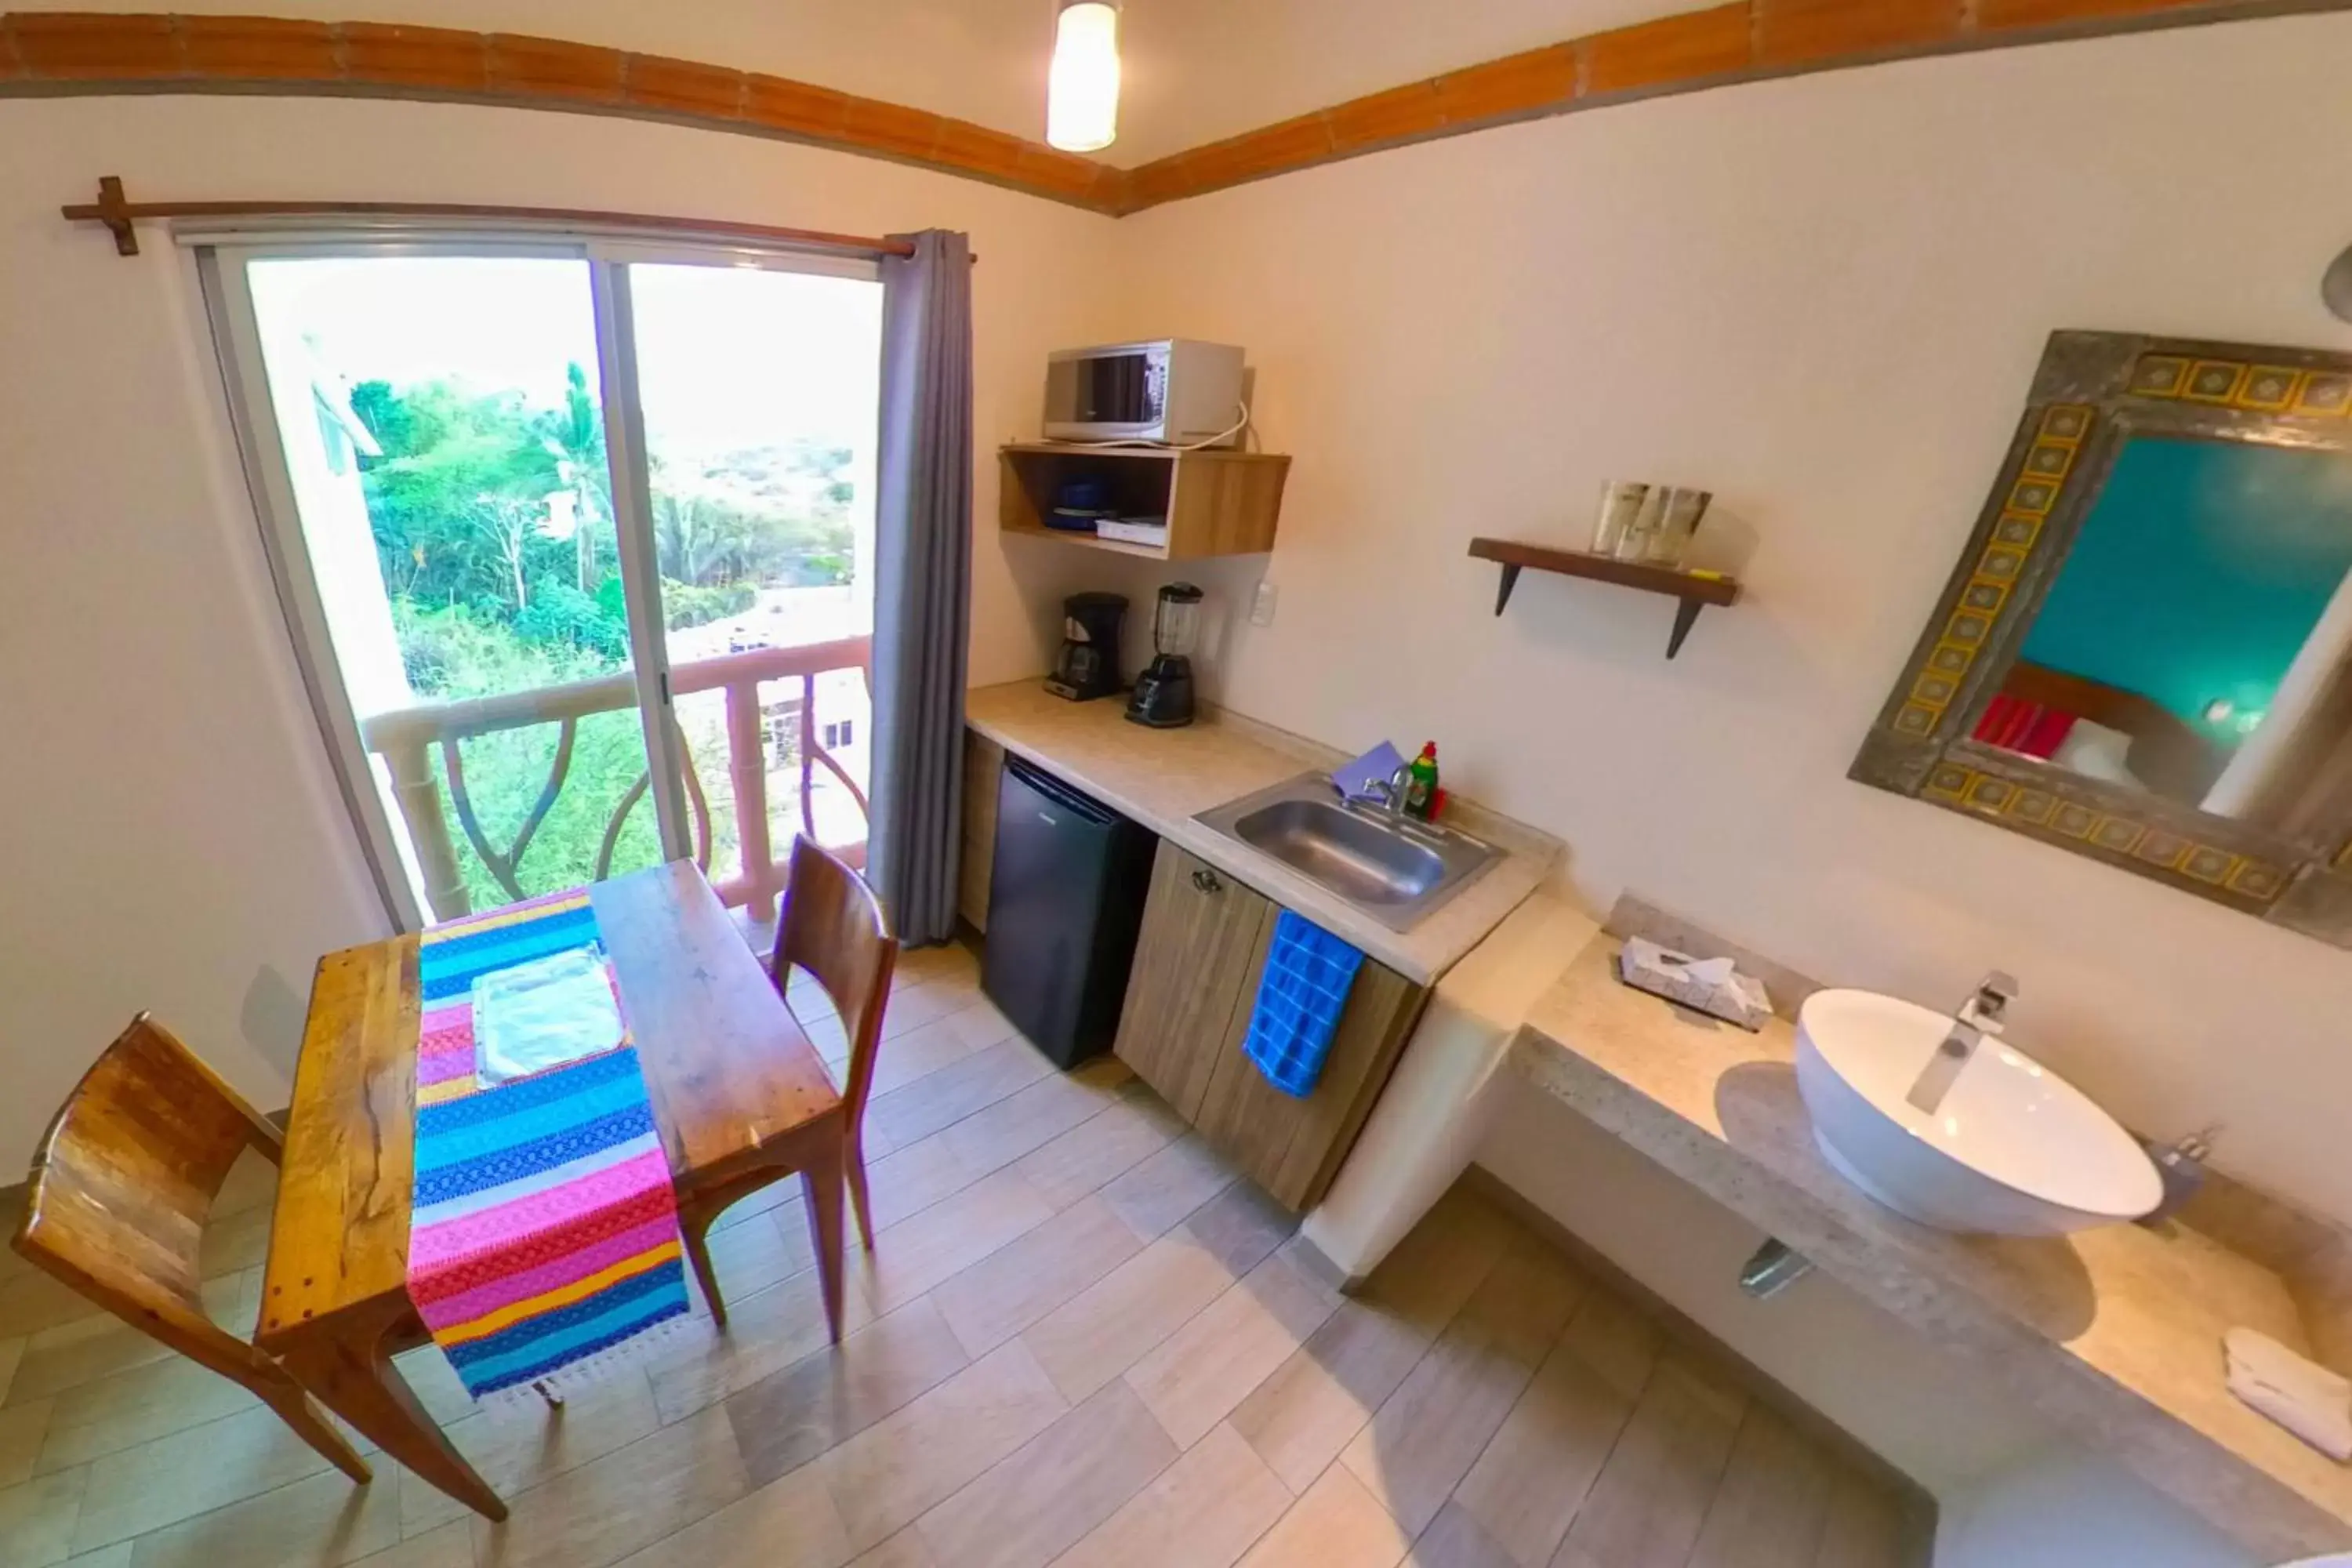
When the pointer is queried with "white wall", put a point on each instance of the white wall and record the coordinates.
(1823, 298)
(1860, 1369)
(2011, 1490)
(2063, 1508)
(170, 833)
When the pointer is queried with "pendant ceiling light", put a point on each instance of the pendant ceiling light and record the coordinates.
(1082, 92)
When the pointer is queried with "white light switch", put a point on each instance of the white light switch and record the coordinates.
(1262, 606)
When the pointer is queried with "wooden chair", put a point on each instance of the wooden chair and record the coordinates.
(118, 1190)
(833, 927)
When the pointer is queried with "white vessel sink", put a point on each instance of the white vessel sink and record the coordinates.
(2013, 1150)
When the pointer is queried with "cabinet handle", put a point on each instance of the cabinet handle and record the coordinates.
(1206, 880)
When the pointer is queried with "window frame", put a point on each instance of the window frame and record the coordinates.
(220, 254)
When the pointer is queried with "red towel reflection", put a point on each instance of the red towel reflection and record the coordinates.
(2028, 728)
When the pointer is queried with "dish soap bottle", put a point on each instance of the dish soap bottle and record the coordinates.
(1421, 786)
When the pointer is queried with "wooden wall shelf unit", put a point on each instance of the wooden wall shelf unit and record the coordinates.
(1217, 502)
(1694, 592)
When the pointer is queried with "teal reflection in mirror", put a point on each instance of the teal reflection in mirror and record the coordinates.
(2192, 641)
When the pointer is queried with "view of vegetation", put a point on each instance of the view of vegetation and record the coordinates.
(493, 522)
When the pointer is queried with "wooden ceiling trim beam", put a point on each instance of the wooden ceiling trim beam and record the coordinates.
(1690, 51)
(59, 53)
(69, 53)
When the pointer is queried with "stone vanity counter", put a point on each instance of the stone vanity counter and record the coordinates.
(1160, 778)
(2114, 1335)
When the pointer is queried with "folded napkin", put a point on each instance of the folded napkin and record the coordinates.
(1300, 996)
(543, 1014)
(2301, 1396)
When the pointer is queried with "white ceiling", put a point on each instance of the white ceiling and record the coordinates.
(1197, 69)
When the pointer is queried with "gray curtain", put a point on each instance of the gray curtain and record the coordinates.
(922, 602)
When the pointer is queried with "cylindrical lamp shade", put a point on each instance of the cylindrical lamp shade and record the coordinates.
(1082, 93)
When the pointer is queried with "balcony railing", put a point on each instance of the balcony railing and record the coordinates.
(405, 737)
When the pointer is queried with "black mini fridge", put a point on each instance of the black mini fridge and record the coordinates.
(1065, 901)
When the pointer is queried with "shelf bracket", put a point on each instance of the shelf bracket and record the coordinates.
(1510, 580)
(1686, 616)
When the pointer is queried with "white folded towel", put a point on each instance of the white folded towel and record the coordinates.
(2297, 1393)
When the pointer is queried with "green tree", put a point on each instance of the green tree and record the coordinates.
(559, 613)
(713, 530)
(456, 653)
(485, 599)
(575, 434)
(455, 497)
(386, 416)
(688, 533)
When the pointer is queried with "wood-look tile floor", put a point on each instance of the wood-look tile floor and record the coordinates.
(1079, 1340)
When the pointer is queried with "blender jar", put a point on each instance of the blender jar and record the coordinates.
(1176, 628)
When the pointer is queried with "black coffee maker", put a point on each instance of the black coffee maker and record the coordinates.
(1088, 665)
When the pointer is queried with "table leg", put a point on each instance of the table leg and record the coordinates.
(821, 1185)
(357, 1381)
(693, 1231)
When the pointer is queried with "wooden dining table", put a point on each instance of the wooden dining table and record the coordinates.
(739, 1094)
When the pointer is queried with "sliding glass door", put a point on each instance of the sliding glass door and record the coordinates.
(758, 390)
(575, 543)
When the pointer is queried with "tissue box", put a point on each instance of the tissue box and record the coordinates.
(1710, 985)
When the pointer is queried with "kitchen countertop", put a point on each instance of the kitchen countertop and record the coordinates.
(2114, 1335)
(1160, 778)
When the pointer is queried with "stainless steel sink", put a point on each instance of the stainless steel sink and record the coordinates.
(1393, 870)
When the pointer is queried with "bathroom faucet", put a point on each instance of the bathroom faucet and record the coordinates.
(1980, 1015)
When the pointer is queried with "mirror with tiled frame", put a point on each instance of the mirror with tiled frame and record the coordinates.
(2145, 654)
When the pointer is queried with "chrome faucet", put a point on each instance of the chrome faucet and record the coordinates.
(1981, 1015)
(1391, 793)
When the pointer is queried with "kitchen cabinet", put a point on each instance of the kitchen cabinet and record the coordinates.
(1203, 939)
(1189, 1000)
(983, 759)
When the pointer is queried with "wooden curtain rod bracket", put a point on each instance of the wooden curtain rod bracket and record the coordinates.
(113, 210)
(119, 215)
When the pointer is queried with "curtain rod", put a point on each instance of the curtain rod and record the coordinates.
(119, 215)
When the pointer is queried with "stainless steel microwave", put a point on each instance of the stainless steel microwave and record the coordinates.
(1174, 392)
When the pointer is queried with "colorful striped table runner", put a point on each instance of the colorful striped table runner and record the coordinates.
(543, 1244)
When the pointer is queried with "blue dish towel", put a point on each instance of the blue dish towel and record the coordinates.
(1299, 1000)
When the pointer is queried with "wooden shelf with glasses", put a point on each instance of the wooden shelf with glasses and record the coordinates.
(1216, 501)
(1694, 591)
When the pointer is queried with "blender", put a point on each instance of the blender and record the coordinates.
(1163, 692)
